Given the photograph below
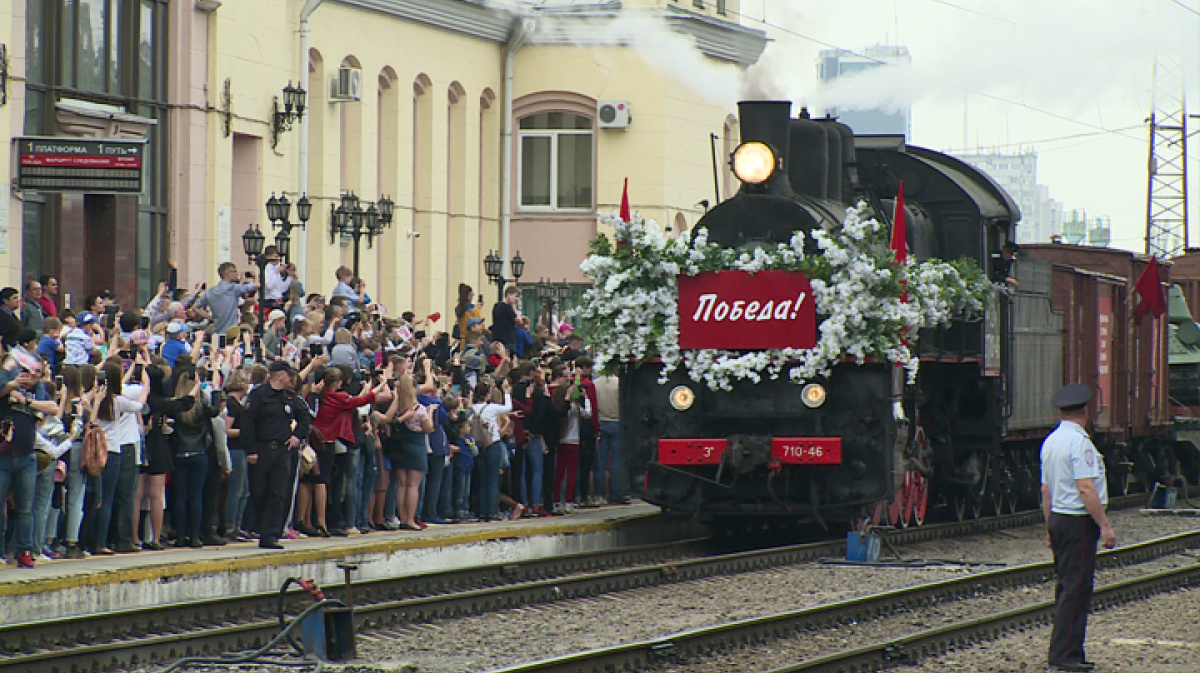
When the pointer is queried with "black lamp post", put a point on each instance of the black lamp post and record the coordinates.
(279, 212)
(493, 266)
(349, 218)
(252, 243)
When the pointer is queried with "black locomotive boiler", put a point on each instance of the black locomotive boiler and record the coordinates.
(862, 441)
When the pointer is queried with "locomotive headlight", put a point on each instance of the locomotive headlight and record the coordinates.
(813, 395)
(754, 162)
(682, 398)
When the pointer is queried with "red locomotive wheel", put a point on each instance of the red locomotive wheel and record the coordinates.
(917, 497)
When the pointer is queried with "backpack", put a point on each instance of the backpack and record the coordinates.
(95, 450)
(480, 432)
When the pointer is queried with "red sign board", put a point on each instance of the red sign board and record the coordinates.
(739, 310)
(691, 451)
(807, 450)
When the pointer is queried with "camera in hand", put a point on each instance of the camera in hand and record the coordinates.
(100, 378)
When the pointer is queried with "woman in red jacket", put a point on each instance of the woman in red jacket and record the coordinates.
(336, 415)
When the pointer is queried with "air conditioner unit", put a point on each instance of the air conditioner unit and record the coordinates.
(346, 85)
(613, 114)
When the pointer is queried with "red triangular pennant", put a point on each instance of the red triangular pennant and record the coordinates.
(899, 235)
(625, 214)
(1149, 287)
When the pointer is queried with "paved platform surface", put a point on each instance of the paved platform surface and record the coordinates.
(63, 588)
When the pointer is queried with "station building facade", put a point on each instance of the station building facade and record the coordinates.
(484, 123)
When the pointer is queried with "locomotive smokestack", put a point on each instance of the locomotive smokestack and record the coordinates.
(766, 122)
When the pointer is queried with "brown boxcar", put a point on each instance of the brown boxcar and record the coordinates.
(1103, 347)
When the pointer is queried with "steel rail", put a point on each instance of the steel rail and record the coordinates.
(749, 632)
(108, 641)
(915, 647)
(184, 618)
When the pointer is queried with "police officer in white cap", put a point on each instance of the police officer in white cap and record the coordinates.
(1074, 496)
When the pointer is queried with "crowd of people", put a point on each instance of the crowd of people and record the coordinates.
(251, 411)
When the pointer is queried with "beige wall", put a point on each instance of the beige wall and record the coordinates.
(665, 151)
(12, 123)
(427, 133)
(424, 152)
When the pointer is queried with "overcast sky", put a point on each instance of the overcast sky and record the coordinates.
(1069, 79)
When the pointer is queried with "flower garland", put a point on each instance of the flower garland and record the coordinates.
(858, 287)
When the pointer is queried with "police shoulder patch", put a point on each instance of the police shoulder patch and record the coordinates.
(1089, 456)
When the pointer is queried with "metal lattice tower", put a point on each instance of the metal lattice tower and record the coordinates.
(1166, 203)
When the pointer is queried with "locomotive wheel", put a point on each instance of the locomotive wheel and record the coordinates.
(917, 488)
(960, 508)
(897, 510)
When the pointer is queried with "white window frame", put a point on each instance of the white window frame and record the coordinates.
(553, 135)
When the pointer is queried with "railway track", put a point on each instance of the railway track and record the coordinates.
(685, 646)
(116, 640)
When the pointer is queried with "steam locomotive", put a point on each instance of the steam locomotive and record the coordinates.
(964, 439)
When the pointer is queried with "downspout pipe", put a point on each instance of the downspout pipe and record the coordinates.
(310, 6)
(522, 28)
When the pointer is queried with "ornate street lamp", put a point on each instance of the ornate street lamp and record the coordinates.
(349, 218)
(252, 242)
(386, 206)
(493, 266)
(294, 101)
(283, 243)
(279, 210)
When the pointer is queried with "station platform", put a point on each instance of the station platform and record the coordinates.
(64, 588)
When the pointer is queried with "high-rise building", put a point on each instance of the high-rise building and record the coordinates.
(1041, 216)
(833, 64)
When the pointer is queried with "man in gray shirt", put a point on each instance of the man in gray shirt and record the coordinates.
(223, 297)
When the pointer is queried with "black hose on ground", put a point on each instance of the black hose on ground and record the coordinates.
(256, 655)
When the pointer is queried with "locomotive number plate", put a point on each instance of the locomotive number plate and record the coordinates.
(807, 450)
(691, 451)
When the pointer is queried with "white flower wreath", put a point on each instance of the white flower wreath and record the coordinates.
(857, 284)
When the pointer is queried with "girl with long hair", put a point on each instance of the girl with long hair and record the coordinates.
(574, 407)
(73, 414)
(192, 440)
(490, 458)
(118, 416)
(236, 388)
(165, 409)
(464, 310)
(408, 424)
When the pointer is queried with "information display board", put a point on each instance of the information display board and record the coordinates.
(96, 165)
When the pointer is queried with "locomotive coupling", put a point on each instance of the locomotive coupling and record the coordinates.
(747, 452)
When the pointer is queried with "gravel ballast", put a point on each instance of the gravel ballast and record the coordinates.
(502, 639)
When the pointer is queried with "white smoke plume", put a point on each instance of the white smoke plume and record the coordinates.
(661, 48)
(1062, 55)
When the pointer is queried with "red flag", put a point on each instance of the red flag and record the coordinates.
(1149, 286)
(625, 214)
(898, 233)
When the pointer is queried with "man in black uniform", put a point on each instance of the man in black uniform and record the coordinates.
(274, 427)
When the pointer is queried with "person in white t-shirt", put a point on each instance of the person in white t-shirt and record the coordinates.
(120, 405)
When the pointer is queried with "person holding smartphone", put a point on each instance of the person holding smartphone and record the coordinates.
(223, 298)
(22, 395)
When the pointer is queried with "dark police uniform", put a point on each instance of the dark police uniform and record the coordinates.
(1068, 454)
(270, 418)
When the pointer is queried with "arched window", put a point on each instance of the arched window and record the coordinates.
(555, 162)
